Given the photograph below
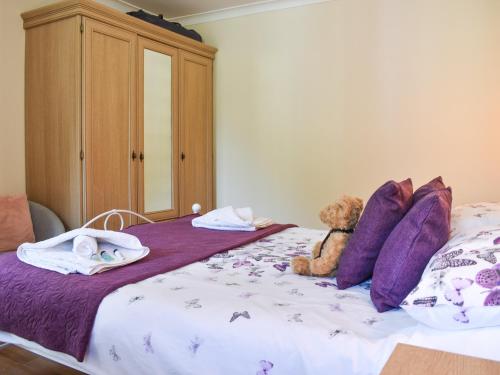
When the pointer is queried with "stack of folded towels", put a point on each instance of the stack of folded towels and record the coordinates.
(229, 218)
(85, 250)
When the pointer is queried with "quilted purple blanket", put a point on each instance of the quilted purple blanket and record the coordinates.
(58, 311)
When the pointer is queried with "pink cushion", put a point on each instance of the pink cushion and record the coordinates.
(15, 222)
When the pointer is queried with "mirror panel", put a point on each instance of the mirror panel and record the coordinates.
(158, 180)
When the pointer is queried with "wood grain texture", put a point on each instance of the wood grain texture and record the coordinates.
(52, 111)
(413, 360)
(17, 361)
(143, 44)
(110, 120)
(196, 170)
(92, 9)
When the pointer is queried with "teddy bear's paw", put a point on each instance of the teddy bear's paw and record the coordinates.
(300, 265)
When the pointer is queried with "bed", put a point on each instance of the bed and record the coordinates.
(244, 312)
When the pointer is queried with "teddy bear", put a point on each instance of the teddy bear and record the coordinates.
(341, 217)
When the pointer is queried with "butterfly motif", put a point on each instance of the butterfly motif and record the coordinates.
(446, 260)
(297, 318)
(493, 298)
(135, 299)
(195, 345)
(236, 315)
(489, 256)
(246, 295)
(454, 294)
(193, 304)
(281, 266)
(461, 316)
(496, 241)
(113, 354)
(295, 292)
(265, 367)
(371, 321)
(224, 254)
(242, 263)
(335, 307)
(214, 266)
(147, 343)
(256, 273)
(438, 282)
(426, 301)
(334, 332)
(325, 284)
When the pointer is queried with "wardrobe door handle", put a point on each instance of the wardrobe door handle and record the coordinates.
(141, 156)
(134, 155)
(183, 156)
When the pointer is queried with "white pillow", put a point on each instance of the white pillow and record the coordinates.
(474, 215)
(460, 287)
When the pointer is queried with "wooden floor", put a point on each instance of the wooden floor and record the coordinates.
(17, 361)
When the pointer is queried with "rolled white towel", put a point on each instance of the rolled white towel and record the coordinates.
(85, 246)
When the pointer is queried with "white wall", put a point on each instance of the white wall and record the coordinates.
(337, 97)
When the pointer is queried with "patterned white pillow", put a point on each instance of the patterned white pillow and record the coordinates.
(460, 287)
(475, 215)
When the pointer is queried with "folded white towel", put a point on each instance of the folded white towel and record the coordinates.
(229, 218)
(114, 249)
(85, 246)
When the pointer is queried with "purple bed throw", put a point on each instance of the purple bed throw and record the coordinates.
(58, 311)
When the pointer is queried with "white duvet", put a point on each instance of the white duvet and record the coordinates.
(245, 312)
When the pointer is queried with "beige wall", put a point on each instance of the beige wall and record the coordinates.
(337, 97)
(316, 101)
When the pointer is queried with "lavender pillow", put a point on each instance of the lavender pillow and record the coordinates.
(385, 208)
(433, 185)
(410, 246)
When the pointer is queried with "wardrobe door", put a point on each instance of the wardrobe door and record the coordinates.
(158, 130)
(109, 135)
(196, 170)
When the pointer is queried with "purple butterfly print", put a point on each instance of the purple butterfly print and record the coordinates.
(438, 282)
(195, 345)
(325, 284)
(135, 299)
(146, 340)
(236, 315)
(281, 266)
(335, 307)
(496, 241)
(446, 260)
(256, 273)
(242, 263)
(192, 304)
(114, 355)
(265, 367)
(489, 256)
(426, 301)
(246, 295)
(297, 318)
(371, 321)
(461, 316)
(493, 299)
(335, 332)
(488, 278)
(454, 294)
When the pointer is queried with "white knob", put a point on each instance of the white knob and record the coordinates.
(196, 208)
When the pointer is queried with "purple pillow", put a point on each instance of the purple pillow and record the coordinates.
(402, 260)
(433, 185)
(385, 208)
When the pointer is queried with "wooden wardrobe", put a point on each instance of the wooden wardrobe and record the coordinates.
(118, 115)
